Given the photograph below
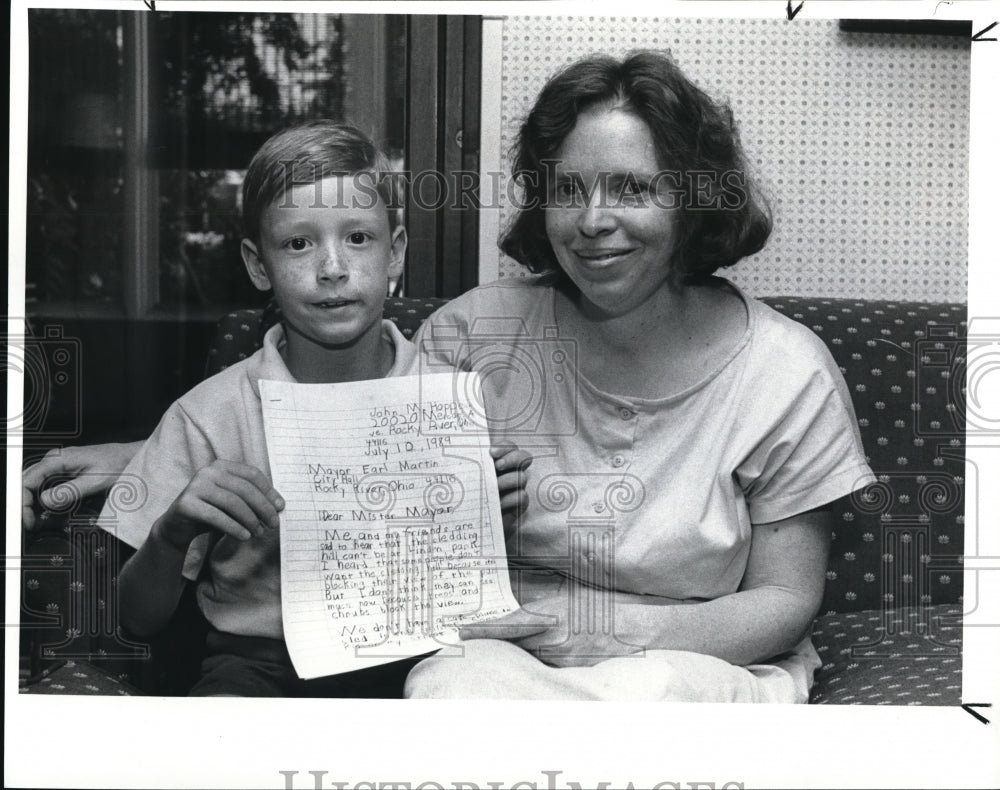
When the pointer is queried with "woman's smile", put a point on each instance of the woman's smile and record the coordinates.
(603, 259)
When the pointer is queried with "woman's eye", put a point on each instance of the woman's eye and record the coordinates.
(567, 189)
(358, 237)
(631, 192)
(567, 193)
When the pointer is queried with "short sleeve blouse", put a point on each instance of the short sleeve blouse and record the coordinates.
(654, 495)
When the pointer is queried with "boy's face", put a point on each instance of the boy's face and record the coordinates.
(328, 252)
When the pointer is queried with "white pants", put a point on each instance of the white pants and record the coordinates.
(494, 669)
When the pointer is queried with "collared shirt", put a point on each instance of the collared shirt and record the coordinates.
(239, 582)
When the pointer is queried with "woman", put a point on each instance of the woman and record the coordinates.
(689, 449)
(675, 547)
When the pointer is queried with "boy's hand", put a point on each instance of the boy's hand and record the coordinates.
(228, 496)
(511, 464)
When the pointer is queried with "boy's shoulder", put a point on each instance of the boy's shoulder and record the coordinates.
(235, 386)
(222, 389)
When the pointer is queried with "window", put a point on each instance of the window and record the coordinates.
(140, 126)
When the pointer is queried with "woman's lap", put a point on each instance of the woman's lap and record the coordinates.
(493, 669)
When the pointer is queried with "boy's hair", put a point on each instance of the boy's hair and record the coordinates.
(693, 135)
(306, 154)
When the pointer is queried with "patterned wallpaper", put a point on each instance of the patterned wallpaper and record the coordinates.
(860, 140)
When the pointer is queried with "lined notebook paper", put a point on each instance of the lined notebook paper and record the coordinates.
(391, 534)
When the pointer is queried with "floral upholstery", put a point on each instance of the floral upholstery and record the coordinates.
(898, 544)
(70, 677)
(893, 657)
(889, 629)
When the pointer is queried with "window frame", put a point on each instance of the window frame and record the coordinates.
(442, 127)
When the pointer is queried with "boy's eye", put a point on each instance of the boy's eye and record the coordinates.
(297, 244)
(358, 237)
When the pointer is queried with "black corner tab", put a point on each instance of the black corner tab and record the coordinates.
(987, 29)
(968, 708)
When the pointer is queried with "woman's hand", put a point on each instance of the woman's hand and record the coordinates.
(562, 636)
(511, 465)
(64, 477)
(230, 497)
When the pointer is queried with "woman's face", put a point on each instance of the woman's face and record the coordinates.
(608, 233)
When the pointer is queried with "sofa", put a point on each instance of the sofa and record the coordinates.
(889, 630)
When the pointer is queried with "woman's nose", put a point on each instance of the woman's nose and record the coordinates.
(596, 218)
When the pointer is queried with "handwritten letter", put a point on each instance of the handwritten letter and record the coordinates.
(391, 534)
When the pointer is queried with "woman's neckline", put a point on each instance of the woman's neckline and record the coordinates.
(749, 318)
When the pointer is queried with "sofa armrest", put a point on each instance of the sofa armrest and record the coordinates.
(70, 639)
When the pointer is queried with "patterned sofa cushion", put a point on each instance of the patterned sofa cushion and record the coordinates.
(77, 677)
(891, 657)
(898, 545)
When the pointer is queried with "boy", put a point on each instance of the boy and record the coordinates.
(321, 234)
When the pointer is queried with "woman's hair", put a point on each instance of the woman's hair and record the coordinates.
(308, 153)
(718, 223)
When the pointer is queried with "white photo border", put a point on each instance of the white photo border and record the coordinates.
(149, 742)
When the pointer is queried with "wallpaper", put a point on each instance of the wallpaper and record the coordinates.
(860, 140)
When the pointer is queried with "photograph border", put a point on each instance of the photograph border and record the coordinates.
(156, 742)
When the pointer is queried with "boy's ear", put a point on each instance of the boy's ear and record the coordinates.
(255, 265)
(397, 252)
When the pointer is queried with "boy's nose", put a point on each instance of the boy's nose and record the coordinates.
(332, 265)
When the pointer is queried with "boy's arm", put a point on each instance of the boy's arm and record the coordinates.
(232, 498)
(150, 585)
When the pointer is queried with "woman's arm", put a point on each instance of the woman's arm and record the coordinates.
(773, 609)
(67, 475)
